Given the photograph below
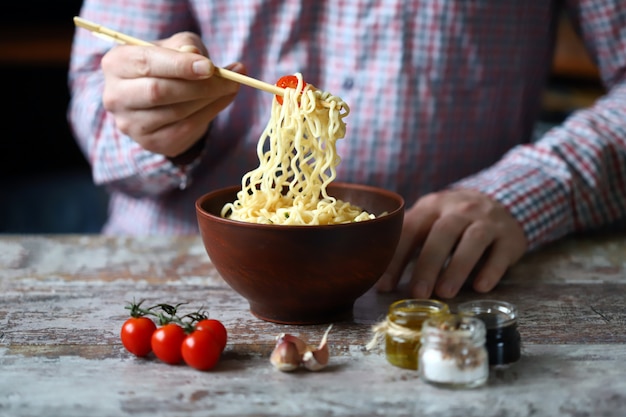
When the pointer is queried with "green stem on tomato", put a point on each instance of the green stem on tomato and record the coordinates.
(168, 314)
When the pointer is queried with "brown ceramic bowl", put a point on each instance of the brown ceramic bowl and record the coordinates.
(303, 274)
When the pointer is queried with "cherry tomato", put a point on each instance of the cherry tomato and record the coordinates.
(136, 335)
(285, 81)
(217, 328)
(201, 350)
(167, 341)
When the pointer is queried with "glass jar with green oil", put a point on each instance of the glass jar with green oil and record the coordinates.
(404, 325)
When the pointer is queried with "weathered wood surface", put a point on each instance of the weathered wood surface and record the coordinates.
(62, 303)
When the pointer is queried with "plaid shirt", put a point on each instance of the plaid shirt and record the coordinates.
(442, 93)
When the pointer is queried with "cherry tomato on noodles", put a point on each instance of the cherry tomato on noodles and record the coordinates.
(287, 81)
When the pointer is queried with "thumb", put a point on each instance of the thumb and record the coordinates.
(195, 56)
(201, 67)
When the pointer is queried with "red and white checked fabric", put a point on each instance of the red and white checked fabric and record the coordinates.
(442, 93)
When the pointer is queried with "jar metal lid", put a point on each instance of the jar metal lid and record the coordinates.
(454, 324)
(504, 312)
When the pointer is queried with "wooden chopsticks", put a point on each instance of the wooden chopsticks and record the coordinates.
(119, 37)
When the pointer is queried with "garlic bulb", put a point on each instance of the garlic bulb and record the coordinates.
(290, 352)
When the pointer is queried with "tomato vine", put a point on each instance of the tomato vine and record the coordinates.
(192, 338)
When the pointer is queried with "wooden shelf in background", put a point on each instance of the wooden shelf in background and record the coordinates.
(571, 59)
(41, 45)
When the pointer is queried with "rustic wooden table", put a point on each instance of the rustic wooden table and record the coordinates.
(62, 304)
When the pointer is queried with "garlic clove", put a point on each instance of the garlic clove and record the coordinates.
(312, 363)
(317, 359)
(285, 356)
(299, 343)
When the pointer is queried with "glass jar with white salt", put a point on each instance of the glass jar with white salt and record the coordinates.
(453, 352)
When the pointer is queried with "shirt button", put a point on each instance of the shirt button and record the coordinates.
(348, 83)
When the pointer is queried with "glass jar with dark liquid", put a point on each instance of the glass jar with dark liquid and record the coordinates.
(503, 340)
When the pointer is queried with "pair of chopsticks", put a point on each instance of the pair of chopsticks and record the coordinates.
(118, 37)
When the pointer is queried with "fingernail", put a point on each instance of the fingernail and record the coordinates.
(482, 286)
(237, 66)
(189, 48)
(421, 290)
(202, 67)
(446, 291)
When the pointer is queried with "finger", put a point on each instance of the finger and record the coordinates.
(417, 221)
(185, 42)
(195, 112)
(147, 93)
(475, 240)
(390, 278)
(154, 61)
(237, 67)
(501, 256)
(147, 121)
(189, 128)
(190, 48)
(439, 244)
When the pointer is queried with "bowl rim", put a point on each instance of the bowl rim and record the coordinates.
(235, 188)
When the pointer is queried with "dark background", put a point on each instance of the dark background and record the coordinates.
(34, 76)
(45, 182)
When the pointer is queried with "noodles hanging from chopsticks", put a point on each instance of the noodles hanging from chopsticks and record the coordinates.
(297, 161)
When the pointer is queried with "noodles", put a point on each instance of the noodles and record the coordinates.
(297, 160)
